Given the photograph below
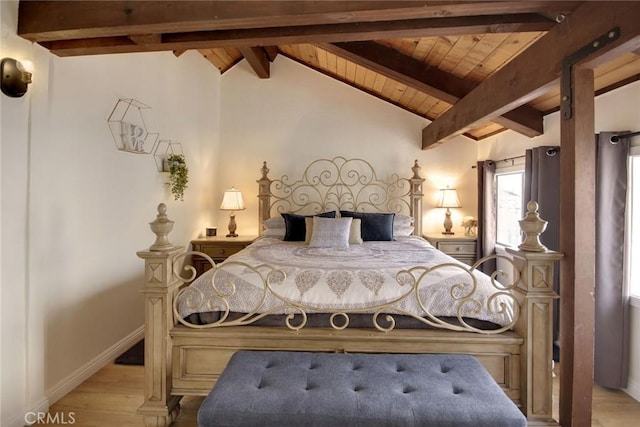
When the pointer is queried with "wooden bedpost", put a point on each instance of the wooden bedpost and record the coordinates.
(416, 199)
(535, 324)
(160, 285)
(264, 197)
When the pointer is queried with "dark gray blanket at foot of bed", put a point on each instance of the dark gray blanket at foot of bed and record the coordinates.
(268, 388)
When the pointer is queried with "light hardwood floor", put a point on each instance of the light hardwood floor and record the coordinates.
(110, 399)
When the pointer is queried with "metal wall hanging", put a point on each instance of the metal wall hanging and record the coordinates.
(163, 150)
(132, 127)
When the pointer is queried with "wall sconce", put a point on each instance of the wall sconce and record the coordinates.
(448, 199)
(15, 77)
(232, 201)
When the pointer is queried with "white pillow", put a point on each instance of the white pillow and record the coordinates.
(402, 225)
(274, 222)
(277, 233)
(355, 235)
(274, 227)
(330, 232)
(402, 220)
(402, 231)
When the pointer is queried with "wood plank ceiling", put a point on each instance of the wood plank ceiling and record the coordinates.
(420, 56)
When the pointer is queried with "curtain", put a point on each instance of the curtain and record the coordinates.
(541, 184)
(486, 239)
(611, 358)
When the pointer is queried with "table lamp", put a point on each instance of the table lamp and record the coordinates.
(448, 199)
(232, 201)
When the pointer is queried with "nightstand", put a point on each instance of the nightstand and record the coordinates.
(460, 247)
(218, 248)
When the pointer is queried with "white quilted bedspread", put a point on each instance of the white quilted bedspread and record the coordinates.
(360, 278)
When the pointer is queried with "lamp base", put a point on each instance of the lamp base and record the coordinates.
(447, 223)
(232, 226)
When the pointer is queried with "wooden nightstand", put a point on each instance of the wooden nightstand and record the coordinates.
(218, 248)
(460, 247)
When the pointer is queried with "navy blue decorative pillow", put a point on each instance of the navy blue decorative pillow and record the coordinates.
(295, 227)
(374, 226)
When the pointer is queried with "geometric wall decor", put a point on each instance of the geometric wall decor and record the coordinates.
(165, 148)
(132, 127)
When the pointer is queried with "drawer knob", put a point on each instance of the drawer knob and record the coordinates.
(458, 248)
(222, 251)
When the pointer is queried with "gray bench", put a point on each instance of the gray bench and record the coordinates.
(271, 388)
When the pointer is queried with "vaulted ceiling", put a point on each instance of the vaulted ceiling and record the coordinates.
(420, 56)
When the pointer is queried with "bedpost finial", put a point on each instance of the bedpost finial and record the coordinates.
(161, 227)
(532, 227)
(264, 170)
(416, 170)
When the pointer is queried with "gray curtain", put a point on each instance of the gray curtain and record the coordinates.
(542, 184)
(611, 358)
(486, 214)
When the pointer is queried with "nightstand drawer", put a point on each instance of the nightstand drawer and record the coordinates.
(462, 248)
(219, 248)
(221, 251)
(458, 248)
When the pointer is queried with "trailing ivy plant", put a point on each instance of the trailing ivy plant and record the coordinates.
(178, 175)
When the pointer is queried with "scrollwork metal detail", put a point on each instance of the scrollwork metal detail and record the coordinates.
(503, 301)
(339, 183)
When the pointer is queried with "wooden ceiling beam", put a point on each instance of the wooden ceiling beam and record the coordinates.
(327, 33)
(272, 52)
(42, 21)
(430, 80)
(539, 67)
(258, 59)
(402, 68)
(146, 39)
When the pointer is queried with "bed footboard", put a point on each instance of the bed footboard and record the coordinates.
(199, 356)
(185, 361)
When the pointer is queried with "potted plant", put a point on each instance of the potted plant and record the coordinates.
(178, 175)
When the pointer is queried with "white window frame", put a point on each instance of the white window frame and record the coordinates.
(634, 175)
(506, 168)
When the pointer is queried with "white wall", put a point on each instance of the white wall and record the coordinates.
(13, 178)
(617, 110)
(75, 209)
(299, 115)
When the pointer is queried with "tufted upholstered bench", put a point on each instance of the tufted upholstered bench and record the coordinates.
(270, 388)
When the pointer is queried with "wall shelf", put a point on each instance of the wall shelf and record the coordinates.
(163, 150)
(131, 127)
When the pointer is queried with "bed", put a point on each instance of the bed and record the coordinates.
(384, 290)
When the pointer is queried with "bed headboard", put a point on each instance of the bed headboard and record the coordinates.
(339, 183)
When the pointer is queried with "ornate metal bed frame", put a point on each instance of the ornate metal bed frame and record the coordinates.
(185, 359)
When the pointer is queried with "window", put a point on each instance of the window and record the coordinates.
(633, 225)
(509, 189)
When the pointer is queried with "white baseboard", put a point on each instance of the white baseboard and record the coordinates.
(63, 387)
(633, 389)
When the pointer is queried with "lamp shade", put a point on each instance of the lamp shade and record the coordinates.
(448, 198)
(232, 200)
